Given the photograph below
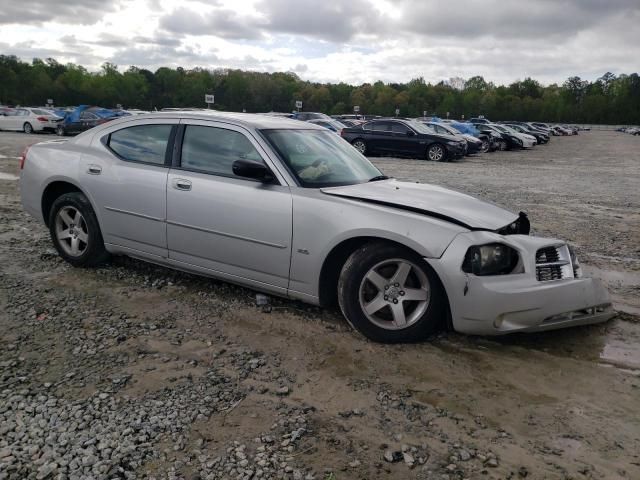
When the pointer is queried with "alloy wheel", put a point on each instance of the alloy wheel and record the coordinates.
(394, 294)
(436, 153)
(360, 146)
(71, 231)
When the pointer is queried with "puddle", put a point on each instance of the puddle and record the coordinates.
(613, 344)
(624, 287)
(8, 176)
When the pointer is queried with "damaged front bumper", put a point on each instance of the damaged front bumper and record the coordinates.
(519, 302)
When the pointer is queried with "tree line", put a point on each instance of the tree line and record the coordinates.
(611, 99)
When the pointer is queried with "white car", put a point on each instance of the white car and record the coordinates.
(28, 120)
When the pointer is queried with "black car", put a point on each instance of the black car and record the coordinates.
(474, 145)
(304, 116)
(505, 141)
(79, 123)
(403, 138)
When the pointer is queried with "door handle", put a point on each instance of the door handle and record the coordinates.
(181, 184)
(94, 169)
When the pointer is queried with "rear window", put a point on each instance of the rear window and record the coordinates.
(142, 143)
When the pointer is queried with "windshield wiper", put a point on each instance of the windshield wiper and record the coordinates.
(379, 177)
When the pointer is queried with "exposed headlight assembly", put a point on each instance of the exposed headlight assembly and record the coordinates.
(491, 259)
(577, 269)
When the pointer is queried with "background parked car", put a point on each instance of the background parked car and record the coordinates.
(310, 116)
(474, 145)
(333, 125)
(540, 137)
(83, 118)
(28, 120)
(403, 137)
(502, 140)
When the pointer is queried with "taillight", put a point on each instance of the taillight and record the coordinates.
(342, 132)
(23, 157)
(43, 119)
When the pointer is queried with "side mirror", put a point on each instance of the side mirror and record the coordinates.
(410, 133)
(252, 169)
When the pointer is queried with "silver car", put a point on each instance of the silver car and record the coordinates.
(289, 208)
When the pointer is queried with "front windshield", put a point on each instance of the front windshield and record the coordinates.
(419, 127)
(320, 158)
(509, 129)
(451, 130)
(500, 128)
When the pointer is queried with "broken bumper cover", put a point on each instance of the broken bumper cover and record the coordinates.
(500, 304)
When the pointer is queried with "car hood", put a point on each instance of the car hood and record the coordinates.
(470, 138)
(431, 200)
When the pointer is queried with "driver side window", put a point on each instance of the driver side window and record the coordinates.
(213, 150)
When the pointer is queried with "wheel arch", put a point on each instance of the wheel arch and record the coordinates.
(337, 256)
(55, 189)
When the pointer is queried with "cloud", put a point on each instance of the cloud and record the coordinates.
(330, 21)
(219, 22)
(84, 12)
(353, 40)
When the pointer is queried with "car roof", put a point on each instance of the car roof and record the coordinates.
(248, 120)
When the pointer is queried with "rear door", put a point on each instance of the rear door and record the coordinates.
(126, 175)
(380, 137)
(222, 223)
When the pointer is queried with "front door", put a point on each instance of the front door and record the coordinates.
(223, 223)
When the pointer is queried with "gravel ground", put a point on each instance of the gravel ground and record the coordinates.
(136, 371)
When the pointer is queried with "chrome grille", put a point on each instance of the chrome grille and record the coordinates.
(551, 263)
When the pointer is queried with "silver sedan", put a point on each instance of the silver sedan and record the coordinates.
(290, 208)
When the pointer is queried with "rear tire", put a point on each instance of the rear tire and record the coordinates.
(360, 145)
(390, 294)
(27, 128)
(75, 231)
(437, 153)
(502, 145)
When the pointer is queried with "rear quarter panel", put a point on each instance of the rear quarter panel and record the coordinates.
(48, 162)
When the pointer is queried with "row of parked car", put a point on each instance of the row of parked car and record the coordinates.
(434, 138)
(630, 130)
(62, 121)
(431, 138)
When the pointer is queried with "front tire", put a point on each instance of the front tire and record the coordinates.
(27, 128)
(360, 145)
(60, 131)
(502, 145)
(390, 294)
(437, 153)
(75, 231)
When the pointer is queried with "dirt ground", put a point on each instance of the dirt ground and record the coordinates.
(294, 393)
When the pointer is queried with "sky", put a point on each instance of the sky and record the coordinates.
(353, 41)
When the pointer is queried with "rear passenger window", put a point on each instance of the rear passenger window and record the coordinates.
(213, 150)
(380, 127)
(399, 128)
(143, 143)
